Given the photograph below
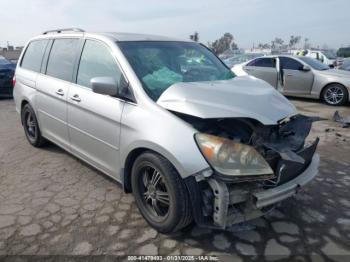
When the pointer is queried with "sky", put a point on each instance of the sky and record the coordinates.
(324, 22)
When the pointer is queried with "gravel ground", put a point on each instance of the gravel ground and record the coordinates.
(53, 204)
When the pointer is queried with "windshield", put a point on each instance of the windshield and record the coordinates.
(329, 54)
(160, 64)
(314, 63)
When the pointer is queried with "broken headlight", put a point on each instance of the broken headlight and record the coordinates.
(231, 158)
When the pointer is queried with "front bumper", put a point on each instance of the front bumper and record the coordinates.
(279, 193)
(222, 205)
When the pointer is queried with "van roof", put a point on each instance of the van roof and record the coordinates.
(120, 37)
(115, 36)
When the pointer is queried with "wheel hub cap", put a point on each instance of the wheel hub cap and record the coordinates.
(155, 194)
(30, 124)
(334, 95)
(152, 191)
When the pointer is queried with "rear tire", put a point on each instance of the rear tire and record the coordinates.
(160, 193)
(335, 95)
(31, 127)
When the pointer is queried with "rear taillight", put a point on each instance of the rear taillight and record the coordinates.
(13, 81)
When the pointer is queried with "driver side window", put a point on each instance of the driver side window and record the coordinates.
(289, 63)
(96, 60)
(263, 62)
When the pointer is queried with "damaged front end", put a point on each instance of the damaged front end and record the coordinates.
(253, 166)
(254, 142)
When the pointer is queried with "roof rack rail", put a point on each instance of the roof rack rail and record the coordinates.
(74, 29)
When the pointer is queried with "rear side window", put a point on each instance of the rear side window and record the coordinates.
(96, 60)
(263, 62)
(33, 55)
(61, 59)
(289, 63)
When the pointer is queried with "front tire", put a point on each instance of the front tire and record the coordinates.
(31, 127)
(335, 95)
(160, 193)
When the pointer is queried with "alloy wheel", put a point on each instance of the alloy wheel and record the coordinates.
(30, 124)
(154, 191)
(334, 95)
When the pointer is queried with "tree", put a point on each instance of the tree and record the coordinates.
(278, 41)
(294, 40)
(224, 43)
(264, 46)
(234, 46)
(307, 44)
(273, 44)
(195, 37)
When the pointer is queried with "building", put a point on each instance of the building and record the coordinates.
(256, 50)
(12, 53)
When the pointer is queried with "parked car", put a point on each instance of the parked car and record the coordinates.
(168, 120)
(7, 70)
(300, 76)
(345, 64)
(240, 58)
(327, 57)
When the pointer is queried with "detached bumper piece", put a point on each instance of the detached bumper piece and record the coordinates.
(279, 193)
(219, 204)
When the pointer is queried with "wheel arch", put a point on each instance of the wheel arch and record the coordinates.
(129, 161)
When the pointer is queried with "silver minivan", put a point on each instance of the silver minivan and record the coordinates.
(169, 121)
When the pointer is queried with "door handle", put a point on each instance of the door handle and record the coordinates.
(60, 92)
(290, 75)
(249, 69)
(76, 98)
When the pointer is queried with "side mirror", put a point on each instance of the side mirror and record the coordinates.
(305, 68)
(104, 86)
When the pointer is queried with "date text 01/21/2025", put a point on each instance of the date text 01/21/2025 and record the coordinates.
(173, 258)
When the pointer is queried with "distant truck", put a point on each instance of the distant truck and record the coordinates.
(327, 57)
(343, 52)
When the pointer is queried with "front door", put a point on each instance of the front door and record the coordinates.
(94, 119)
(294, 79)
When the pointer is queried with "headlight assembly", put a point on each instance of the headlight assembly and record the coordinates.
(230, 158)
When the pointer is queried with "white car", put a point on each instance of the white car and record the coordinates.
(325, 56)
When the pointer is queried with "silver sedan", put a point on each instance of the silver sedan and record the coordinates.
(300, 76)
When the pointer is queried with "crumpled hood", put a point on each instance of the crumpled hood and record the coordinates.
(336, 73)
(246, 97)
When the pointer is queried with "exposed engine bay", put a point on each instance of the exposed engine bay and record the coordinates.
(230, 200)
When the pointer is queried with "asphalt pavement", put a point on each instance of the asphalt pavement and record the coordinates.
(51, 203)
